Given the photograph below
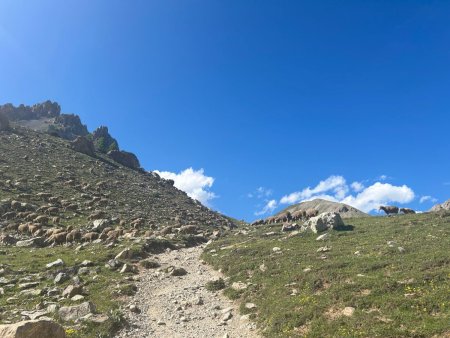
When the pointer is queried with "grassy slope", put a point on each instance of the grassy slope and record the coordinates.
(102, 288)
(395, 294)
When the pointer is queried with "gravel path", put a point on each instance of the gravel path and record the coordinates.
(180, 306)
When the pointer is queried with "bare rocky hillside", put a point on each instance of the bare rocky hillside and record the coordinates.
(44, 181)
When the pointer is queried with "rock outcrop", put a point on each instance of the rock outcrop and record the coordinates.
(103, 141)
(125, 158)
(83, 145)
(41, 328)
(68, 126)
(46, 109)
(441, 207)
(325, 221)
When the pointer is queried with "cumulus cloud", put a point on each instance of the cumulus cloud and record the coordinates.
(334, 184)
(431, 199)
(335, 189)
(357, 186)
(268, 208)
(378, 194)
(193, 182)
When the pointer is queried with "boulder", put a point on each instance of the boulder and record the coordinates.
(36, 242)
(72, 290)
(325, 221)
(41, 328)
(76, 312)
(125, 158)
(7, 239)
(289, 227)
(83, 145)
(316, 224)
(58, 262)
(61, 278)
(100, 224)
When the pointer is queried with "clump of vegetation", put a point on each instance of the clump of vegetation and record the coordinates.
(389, 277)
(149, 264)
(215, 285)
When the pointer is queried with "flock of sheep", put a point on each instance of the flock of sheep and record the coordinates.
(299, 215)
(393, 210)
(303, 215)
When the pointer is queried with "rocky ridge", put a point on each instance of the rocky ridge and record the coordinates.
(441, 207)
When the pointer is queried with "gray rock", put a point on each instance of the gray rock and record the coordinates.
(100, 224)
(34, 314)
(124, 254)
(125, 158)
(323, 237)
(58, 262)
(127, 268)
(31, 292)
(83, 145)
(325, 221)
(83, 270)
(28, 285)
(36, 242)
(61, 278)
(113, 264)
(227, 316)
(76, 312)
(72, 290)
(41, 328)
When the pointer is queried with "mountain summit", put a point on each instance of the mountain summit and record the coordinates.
(346, 211)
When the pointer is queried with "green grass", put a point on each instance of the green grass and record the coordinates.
(395, 294)
(104, 290)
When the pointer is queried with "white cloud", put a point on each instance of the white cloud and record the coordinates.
(378, 194)
(268, 208)
(193, 182)
(332, 183)
(431, 199)
(357, 186)
(366, 199)
(383, 177)
(260, 193)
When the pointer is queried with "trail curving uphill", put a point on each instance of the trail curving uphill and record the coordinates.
(180, 306)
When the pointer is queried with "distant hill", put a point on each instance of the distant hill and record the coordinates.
(442, 206)
(346, 211)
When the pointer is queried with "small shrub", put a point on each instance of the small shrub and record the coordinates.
(215, 285)
(148, 264)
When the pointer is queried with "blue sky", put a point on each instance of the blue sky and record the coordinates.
(267, 97)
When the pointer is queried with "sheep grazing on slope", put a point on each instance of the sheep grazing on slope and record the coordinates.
(389, 210)
(312, 213)
(407, 211)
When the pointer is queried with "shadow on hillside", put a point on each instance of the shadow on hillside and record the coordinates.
(346, 227)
